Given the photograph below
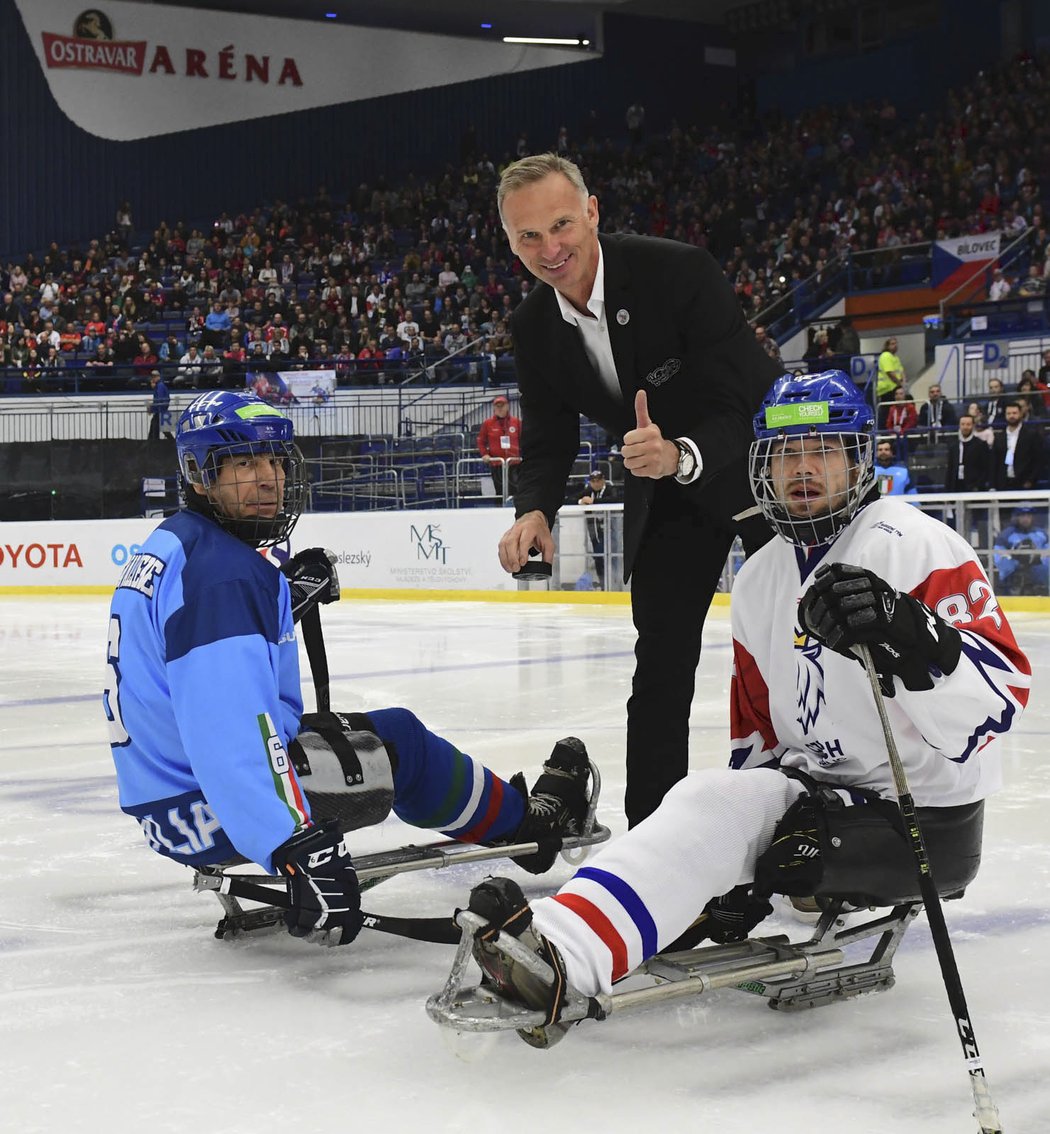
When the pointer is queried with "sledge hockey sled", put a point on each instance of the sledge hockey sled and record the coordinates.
(232, 884)
(837, 962)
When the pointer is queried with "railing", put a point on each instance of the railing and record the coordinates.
(78, 375)
(978, 517)
(910, 265)
(349, 413)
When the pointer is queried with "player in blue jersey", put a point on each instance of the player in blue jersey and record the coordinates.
(213, 756)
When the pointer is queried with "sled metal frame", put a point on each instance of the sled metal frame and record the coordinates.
(372, 869)
(790, 975)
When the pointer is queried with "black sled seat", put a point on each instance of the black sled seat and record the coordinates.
(868, 896)
(873, 863)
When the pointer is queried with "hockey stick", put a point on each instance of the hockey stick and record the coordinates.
(439, 930)
(313, 638)
(985, 1110)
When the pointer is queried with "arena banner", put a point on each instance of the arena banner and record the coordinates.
(125, 70)
(954, 261)
(427, 550)
(68, 553)
(292, 387)
(449, 550)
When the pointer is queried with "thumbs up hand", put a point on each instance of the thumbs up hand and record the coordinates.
(645, 452)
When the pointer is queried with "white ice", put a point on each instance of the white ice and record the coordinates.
(120, 1012)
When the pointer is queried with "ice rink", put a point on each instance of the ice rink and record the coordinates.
(122, 1013)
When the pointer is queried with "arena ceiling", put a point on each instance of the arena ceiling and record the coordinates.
(560, 18)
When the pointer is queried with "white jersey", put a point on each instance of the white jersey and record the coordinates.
(797, 704)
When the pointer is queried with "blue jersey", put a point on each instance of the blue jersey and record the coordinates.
(203, 696)
(894, 480)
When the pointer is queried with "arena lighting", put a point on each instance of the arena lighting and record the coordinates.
(547, 42)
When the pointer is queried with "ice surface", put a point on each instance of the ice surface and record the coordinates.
(122, 1013)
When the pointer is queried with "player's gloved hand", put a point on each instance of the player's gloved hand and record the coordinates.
(322, 886)
(312, 578)
(848, 606)
(731, 917)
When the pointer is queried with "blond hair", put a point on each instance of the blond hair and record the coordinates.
(529, 170)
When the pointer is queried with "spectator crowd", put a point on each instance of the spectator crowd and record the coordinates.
(387, 279)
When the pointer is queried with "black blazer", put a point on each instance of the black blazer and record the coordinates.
(976, 466)
(947, 415)
(1028, 459)
(677, 331)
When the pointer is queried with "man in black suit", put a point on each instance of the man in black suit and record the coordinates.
(969, 460)
(645, 337)
(1017, 452)
(937, 414)
(969, 469)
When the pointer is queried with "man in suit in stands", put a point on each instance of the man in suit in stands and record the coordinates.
(1017, 452)
(937, 414)
(644, 336)
(969, 460)
(969, 469)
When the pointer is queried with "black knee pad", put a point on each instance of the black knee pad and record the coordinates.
(344, 768)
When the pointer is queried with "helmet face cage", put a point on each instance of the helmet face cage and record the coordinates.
(259, 531)
(767, 483)
(222, 426)
(827, 416)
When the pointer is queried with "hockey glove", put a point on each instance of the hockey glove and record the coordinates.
(731, 917)
(322, 886)
(312, 579)
(848, 606)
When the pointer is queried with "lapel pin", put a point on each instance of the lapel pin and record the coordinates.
(623, 316)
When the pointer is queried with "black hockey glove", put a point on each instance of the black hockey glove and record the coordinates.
(848, 606)
(322, 886)
(312, 579)
(731, 917)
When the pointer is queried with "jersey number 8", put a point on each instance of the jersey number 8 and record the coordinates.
(118, 734)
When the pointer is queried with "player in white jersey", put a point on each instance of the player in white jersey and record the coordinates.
(851, 568)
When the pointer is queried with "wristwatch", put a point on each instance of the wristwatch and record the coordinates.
(686, 462)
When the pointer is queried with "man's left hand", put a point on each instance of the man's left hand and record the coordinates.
(848, 606)
(645, 452)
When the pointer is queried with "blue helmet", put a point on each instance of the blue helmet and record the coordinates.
(224, 424)
(830, 411)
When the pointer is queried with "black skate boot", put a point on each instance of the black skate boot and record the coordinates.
(557, 805)
(503, 905)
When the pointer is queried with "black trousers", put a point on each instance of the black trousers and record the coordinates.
(676, 573)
